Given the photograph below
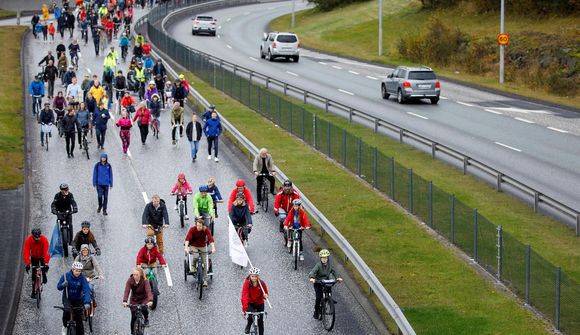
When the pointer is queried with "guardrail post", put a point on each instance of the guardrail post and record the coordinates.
(285, 88)
(465, 163)
(375, 164)
(536, 201)
(350, 112)
(214, 76)
(411, 191)
(251, 72)
(499, 180)
(314, 123)
(328, 140)
(240, 85)
(359, 154)
(267, 82)
(18, 17)
(401, 134)
(344, 147)
(528, 268)
(433, 149)
(392, 176)
(430, 204)
(499, 251)
(305, 96)
(326, 105)
(475, 232)
(452, 218)
(578, 224)
(557, 311)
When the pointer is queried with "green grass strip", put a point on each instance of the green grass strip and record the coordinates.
(11, 121)
(440, 293)
(6, 13)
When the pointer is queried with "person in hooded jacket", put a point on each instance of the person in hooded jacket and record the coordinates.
(215, 194)
(102, 181)
(193, 130)
(179, 93)
(91, 268)
(85, 120)
(75, 292)
(85, 236)
(241, 187)
(70, 124)
(155, 109)
(101, 118)
(240, 215)
(46, 117)
(138, 286)
(323, 270)
(182, 188)
(125, 124)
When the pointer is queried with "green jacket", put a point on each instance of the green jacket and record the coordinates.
(322, 272)
(203, 205)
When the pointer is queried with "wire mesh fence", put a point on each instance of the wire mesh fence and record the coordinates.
(529, 275)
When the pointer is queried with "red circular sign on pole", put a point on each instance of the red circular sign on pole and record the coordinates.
(503, 39)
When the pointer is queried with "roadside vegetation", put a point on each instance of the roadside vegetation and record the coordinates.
(6, 13)
(458, 39)
(11, 121)
(440, 293)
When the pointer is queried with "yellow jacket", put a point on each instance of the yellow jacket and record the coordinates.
(97, 92)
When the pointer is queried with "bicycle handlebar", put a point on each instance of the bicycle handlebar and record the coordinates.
(62, 308)
(199, 252)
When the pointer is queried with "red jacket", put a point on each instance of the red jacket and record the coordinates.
(146, 48)
(35, 249)
(198, 238)
(149, 257)
(247, 195)
(144, 116)
(252, 294)
(302, 219)
(284, 201)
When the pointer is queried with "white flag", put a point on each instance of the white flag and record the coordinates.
(168, 276)
(237, 251)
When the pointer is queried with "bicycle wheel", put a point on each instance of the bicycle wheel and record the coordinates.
(155, 294)
(90, 320)
(328, 315)
(185, 269)
(295, 251)
(46, 140)
(182, 214)
(200, 279)
(71, 330)
(64, 234)
(264, 197)
(139, 327)
(38, 289)
(254, 329)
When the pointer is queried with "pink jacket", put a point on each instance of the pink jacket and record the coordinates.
(124, 122)
(181, 188)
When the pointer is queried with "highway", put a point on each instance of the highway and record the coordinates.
(152, 169)
(536, 144)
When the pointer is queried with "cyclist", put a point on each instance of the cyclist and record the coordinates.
(154, 218)
(146, 48)
(110, 60)
(203, 203)
(46, 58)
(64, 205)
(85, 87)
(124, 44)
(155, 109)
(62, 66)
(159, 69)
(151, 89)
(46, 117)
(149, 255)
(264, 164)
(196, 241)
(85, 120)
(254, 293)
(241, 187)
(91, 267)
(183, 188)
(139, 39)
(114, 53)
(179, 93)
(296, 219)
(36, 90)
(212, 130)
(35, 253)
(168, 94)
(103, 181)
(85, 236)
(75, 292)
(143, 117)
(283, 202)
(70, 124)
(323, 270)
(177, 120)
(184, 82)
(148, 65)
(74, 50)
(68, 76)
(194, 131)
(141, 294)
(60, 49)
(240, 215)
(120, 85)
(215, 194)
(140, 77)
(108, 78)
(128, 102)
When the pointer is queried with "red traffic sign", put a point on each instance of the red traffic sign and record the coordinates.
(503, 39)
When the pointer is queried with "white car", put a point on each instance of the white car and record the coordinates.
(275, 45)
(204, 24)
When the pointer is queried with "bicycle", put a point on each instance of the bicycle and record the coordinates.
(255, 316)
(181, 207)
(74, 59)
(37, 285)
(198, 273)
(152, 278)
(90, 313)
(59, 117)
(124, 53)
(46, 129)
(326, 308)
(242, 231)
(295, 245)
(85, 142)
(36, 105)
(208, 222)
(139, 325)
(265, 191)
(71, 324)
(63, 222)
(177, 133)
(155, 127)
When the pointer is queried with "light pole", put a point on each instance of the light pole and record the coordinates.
(381, 27)
(293, 7)
(501, 47)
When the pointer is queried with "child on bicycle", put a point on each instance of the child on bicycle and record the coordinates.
(296, 219)
(183, 188)
(254, 293)
(215, 194)
(323, 270)
(240, 215)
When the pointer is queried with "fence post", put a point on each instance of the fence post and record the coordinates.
(314, 126)
(223, 76)
(392, 175)
(214, 76)
(291, 117)
(557, 311)
(578, 224)
(475, 232)
(259, 99)
(344, 147)
(359, 156)
(411, 191)
(375, 172)
(528, 268)
(285, 88)
(326, 106)
(376, 125)
(465, 163)
(453, 218)
(499, 251)
(536, 201)
(430, 203)
(279, 111)
(18, 17)
(302, 130)
(267, 82)
(328, 141)
(499, 180)
(305, 96)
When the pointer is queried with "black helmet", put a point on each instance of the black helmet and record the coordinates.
(86, 224)
(63, 187)
(36, 232)
(149, 240)
(287, 182)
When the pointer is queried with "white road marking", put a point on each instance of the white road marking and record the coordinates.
(353, 72)
(322, 63)
(492, 111)
(419, 116)
(219, 36)
(254, 59)
(220, 27)
(443, 98)
(89, 70)
(228, 19)
(464, 104)
(373, 78)
(523, 120)
(524, 111)
(337, 67)
(507, 146)
(129, 153)
(558, 130)
(145, 197)
(292, 73)
(345, 92)
(229, 46)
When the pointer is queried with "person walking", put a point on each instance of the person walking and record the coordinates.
(212, 130)
(125, 133)
(50, 74)
(103, 181)
(143, 118)
(194, 131)
(70, 124)
(101, 118)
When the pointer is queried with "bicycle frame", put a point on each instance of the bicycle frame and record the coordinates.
(37, 286)
(139, 327)
(296, 245)
(265, 191)
(255, 316)
(63, 220)
(71, 323)
(326, 308)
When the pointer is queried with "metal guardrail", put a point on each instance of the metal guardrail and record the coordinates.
(367, 274)
(501, 178)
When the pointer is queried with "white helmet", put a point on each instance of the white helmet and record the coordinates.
(77, 266)
(254, 271)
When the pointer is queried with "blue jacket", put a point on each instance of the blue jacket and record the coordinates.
(103, 173)
(36, 87)
(84, 117)
(38, 28)
(124, 41)
(78, 289)
(100, 121)
(212, 128)
(207, 115)
(57, 12)
(215, 194)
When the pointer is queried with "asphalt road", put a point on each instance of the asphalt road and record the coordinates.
(538, 145)
(150, 169)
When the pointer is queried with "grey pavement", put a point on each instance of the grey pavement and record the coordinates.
(151, 169)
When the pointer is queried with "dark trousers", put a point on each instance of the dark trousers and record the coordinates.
(212, 141)
(260, 182)
(78, 316)
(96, 47)
(144, 130)
(70, 142)
(38, 262)
(145, 312)
(318, 290)
(257, 308)
(100, 134)
(103, 195)
(50, 87)
(174, 132)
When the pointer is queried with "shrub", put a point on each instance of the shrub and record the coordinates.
(328, 5)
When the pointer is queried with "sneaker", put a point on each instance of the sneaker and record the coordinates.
(216, 215)
(146, 323)
(216, 160)
(68, 155)
(209, 157)
(105, 212)
(288, 244)
(205, 283)
(301, 256)
(72, 155)
(187, 217)
(316, 315)
(33, 295)
(247, 329)
(99, 209)
(42, 144)
(175, 208)
(173, 142)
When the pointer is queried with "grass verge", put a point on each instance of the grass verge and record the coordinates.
(440, 293)
(11, 121)
(6, 13)
(352, 31)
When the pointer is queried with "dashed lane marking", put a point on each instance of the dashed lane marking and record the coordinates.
(523, 120)
(492, 111)
(507, 146)
(372, 78)
(292, 73)
(464, 104)
(345, 92)
(353, 72)
(337, 67)
(419, 116)
(229, 46)
(558, 130)
(145, 197)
